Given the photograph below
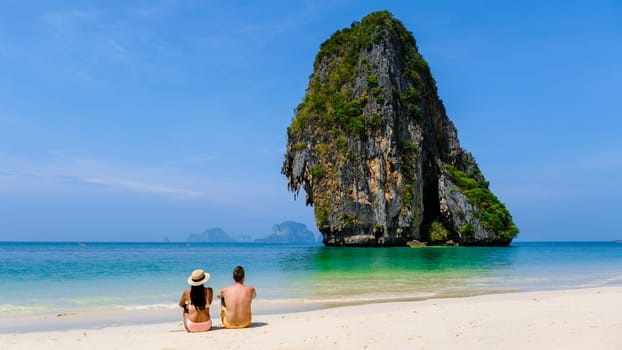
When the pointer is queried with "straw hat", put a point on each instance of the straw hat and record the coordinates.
(198, 277)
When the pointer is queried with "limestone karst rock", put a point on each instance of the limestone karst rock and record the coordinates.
(376, 154)
(213, 235)
(289, 232)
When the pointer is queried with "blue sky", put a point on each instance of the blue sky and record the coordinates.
(139, 120)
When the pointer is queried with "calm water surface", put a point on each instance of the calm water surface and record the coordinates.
(42, 278)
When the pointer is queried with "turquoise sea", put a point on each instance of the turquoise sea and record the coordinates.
(51, 278)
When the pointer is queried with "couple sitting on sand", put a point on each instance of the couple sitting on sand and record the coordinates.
(235, 302)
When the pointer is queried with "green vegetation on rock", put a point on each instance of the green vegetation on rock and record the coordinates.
(317, 173)
(492, 213)
(367, 140)
(467, 230)
(437, 232)
(330, 101)
(331, 111)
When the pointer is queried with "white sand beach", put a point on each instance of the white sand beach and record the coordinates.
(568, 319)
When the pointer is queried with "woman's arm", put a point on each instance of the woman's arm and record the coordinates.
(185, 321)
(210, 295)
(184, 298)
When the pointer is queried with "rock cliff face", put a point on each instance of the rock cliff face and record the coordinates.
(376, 154)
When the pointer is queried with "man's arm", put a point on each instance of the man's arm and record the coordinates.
(221, 296)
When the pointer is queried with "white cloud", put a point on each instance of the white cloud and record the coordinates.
(82, 43)
(143, 187)
(68, 19)
(59, 173)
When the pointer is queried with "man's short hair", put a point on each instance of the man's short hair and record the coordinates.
(238, 274)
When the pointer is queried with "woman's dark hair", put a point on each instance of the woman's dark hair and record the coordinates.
(197, 296)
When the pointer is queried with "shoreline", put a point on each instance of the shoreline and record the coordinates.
(570, 319)
(124, 315)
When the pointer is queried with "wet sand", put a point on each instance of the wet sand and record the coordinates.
(567, 319)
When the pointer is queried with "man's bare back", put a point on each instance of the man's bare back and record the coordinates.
(236, 302)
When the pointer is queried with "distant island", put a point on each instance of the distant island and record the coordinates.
(376, 154)
(214, 235)
(285, 232)
(289, 232)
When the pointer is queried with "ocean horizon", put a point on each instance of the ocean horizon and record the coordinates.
(41, 278)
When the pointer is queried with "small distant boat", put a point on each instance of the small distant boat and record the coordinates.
(82, 244)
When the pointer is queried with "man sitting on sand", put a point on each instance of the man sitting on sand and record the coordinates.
(236, 302)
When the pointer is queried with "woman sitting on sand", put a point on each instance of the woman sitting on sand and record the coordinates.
(196, 302)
